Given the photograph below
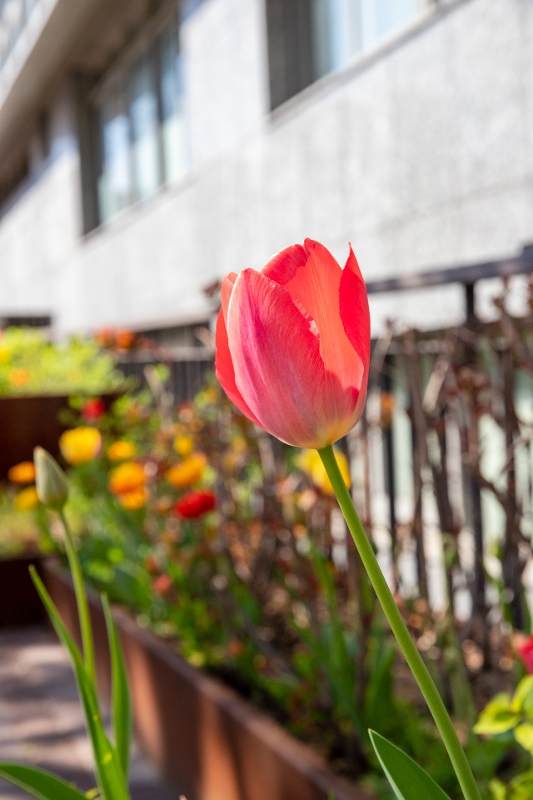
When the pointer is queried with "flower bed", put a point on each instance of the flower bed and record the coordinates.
(29, 421)
(203, 737)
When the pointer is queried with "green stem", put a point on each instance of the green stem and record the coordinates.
(412, 656)
(81, 600)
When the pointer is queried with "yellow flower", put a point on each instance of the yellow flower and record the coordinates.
(121, 451)
(134, 499)
(22, 473)
(80, 445)
(18, 376)
(310, 462)
(188, 472)
(126, 478)
(183, 445)
(239, 444)
(27, 499)
(5, 354)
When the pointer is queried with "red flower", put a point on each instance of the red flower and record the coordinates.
(162, 584)
(194, 504)
(525, 651)
(293, 345)
(92, 410)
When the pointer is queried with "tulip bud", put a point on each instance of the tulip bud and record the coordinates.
(51, 481)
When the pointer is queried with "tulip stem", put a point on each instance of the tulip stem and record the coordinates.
(403, 637)
(81, 600)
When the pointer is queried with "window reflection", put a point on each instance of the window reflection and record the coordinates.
(175, 145)
(341, 28)
(14, 14)
(115, 181)
(143, 129)
(144, 124)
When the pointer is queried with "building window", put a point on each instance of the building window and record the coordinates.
(310, 38)
(14, 14)
(142, 127)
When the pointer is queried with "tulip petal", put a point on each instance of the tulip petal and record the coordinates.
(313, 278)
(226, 290)
(276, 357)
(224, 369)
(355, 314)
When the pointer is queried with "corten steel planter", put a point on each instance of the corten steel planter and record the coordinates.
(19, 602)
(206, 741)
(31, 420)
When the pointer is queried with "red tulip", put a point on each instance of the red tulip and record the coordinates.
(194, 504)
(293, 345)
(92, 410)
(525, 651)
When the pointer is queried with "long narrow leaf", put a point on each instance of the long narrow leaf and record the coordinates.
(122, 718)
(409, 781)
(109, 772)
(42, 785)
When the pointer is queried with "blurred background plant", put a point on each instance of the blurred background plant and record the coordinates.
(30, 364)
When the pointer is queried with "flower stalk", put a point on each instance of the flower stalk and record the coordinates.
(399, 629)
(81, 601)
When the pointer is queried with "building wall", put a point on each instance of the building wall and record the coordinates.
(40, 227)
(421, 156)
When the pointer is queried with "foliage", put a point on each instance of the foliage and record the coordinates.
(30, 364)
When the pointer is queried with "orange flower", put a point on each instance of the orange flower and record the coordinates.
(22, 473)
(124, 340)
(80, 445)
(27, 499)
(162, 584)
(105, 337)
(188, 472)
(133, 500)
(18, 376)
(126, 478)
(121, 451)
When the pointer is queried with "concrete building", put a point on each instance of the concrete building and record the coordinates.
(148, 148)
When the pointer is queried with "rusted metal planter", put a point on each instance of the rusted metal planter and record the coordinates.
(206, 741)
(29, 421)
(19, 601)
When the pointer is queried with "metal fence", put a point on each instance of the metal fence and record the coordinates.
(188, 368)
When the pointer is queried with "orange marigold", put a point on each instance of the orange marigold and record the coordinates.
(188, 472)
(133, 500)
(121, 451)
(18, 376)
(127, 478)
(22, 473)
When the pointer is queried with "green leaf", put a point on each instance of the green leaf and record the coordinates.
(109, 772)
(408, 780)
(524, 736)
(497, 717)
(39, 783)
(122, 717)
(497, 790)
(523, 696)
